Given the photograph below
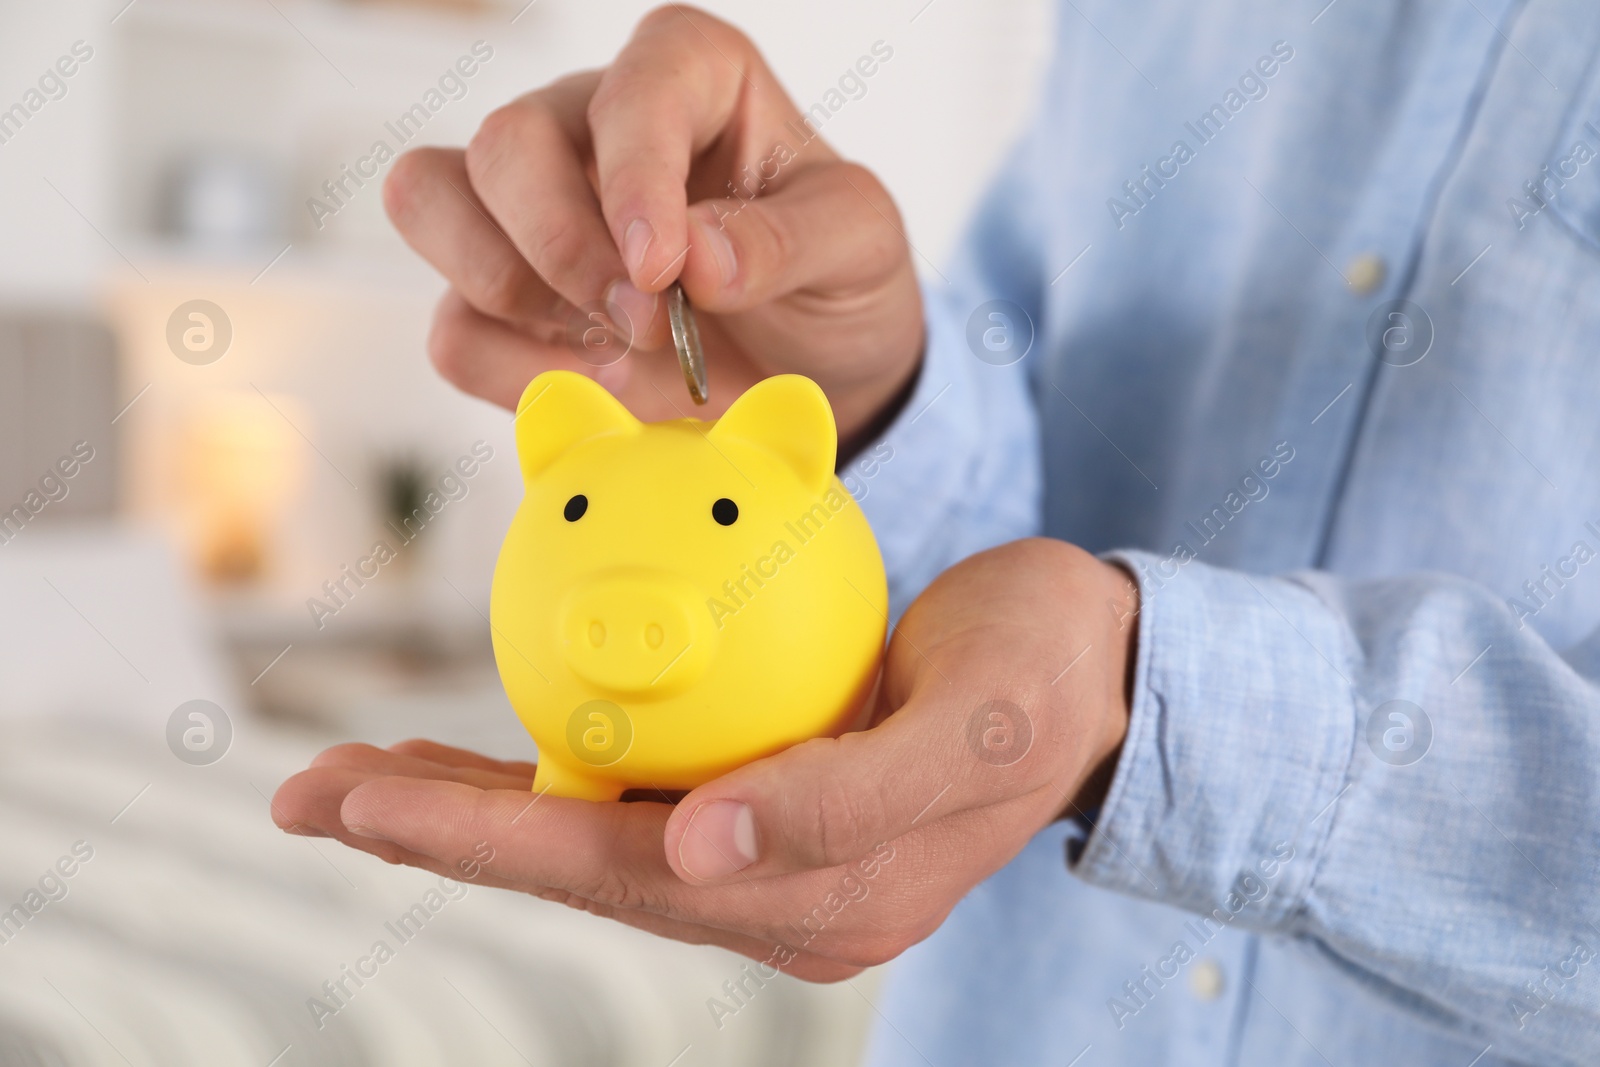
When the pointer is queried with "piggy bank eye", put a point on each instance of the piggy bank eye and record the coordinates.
(575, 508)
(725, 511)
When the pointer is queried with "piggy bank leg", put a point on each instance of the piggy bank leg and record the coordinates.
(562, 781)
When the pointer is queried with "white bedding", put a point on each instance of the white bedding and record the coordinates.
(197, 933)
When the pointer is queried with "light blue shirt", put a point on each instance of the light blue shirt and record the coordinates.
(1357, 817)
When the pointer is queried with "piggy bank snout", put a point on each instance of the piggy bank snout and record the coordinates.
(642, 634)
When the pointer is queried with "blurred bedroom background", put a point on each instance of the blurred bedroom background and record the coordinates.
(214, 402)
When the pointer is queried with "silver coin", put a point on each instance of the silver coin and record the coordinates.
(686, 339)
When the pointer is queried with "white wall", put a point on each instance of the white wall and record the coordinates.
(47, 253)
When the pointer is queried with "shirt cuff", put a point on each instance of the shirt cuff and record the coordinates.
(1239, 744)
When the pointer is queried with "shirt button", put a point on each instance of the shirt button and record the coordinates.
(1205, 979)
(1365, 273)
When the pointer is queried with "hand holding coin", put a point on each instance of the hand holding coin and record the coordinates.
(564, 225)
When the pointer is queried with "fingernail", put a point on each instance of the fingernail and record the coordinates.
(716, 239)
(636, 238)
(300, 829)
(367, 831)
(634, 310)
(720, 839)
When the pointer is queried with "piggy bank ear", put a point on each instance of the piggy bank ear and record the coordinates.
(788, 416)
(559, 409)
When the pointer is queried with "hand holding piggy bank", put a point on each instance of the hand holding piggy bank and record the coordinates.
(676, 599)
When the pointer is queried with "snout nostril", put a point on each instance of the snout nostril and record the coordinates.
(637, 634)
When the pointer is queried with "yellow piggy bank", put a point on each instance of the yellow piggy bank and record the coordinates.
(676, 599)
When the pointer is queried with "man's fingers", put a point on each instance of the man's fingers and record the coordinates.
(527, 165)
(381, 761)
(606, 853)
(432, 203)
(831, 801)
(671, 92)
(690, 109)
(460, 757)
(484, 356)
(309, 804)
(475, 867)
(488, 358)
(311, 801)
(609, 853)
(833, 228)
(313, 798)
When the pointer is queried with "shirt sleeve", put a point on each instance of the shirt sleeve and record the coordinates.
(1395, 772)
(959, 470)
